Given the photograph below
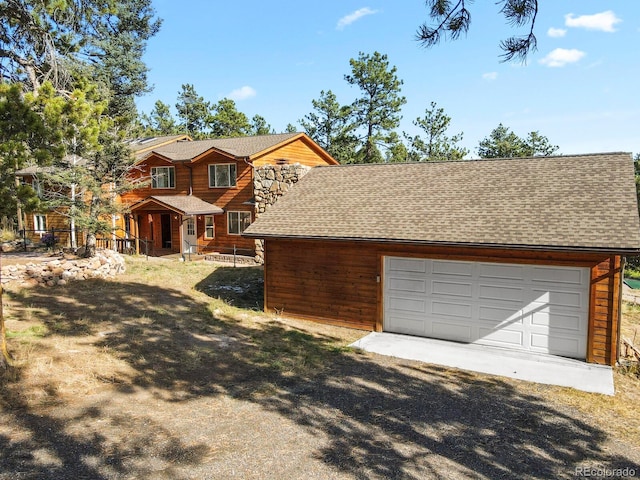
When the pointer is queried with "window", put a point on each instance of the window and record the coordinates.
(238, 221)
(209, 229)
(163, 177)
(223, 175)
(191, 226)
(35, 184)
(40, 223)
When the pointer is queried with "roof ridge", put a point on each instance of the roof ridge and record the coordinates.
(498, 159)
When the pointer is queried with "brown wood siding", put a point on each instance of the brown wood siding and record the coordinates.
(223, 241)
(341, 282)
(317, 280)
(604, 318)
(229, 199)
(297, 151)
(143, 173)
(59, 223)
(56, 223)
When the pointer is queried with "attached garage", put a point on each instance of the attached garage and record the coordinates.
(524, 254)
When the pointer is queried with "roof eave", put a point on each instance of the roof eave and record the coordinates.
(630, 251)
(153, 153)
(206, 153)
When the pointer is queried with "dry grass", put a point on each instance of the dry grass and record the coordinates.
(631, 324)
(172, 371)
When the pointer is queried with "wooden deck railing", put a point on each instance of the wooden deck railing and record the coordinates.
(126, 244)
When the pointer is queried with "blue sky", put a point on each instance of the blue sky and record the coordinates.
(579, 89)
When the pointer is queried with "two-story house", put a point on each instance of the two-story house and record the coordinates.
(200, 196)
(197, 196)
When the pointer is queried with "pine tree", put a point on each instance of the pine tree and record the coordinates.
(378, 109)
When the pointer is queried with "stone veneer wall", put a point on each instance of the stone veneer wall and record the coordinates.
(270, 183)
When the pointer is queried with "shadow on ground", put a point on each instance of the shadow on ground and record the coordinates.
(381, 419)
(241, 287)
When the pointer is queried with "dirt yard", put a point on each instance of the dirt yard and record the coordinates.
(172, 372)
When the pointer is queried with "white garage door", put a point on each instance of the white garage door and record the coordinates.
(524, 307)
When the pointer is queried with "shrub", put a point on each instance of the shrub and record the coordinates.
(7, 235)
(49, 240)
(632, 267)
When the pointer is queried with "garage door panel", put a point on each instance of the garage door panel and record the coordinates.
(441, 267)
(406, 304)
(452, 331)
(560, 275)
(502, 337)
(497, 316)
(565, 299)
(501, 293)
(557, 345)
(408, 285)
(501, 272)
(526, 307)
(452, 288)
(408, 325)
(460, 310)
(563, 320)
(407, 265)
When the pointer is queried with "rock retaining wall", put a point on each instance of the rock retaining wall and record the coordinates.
(60, 271)
(270, 183)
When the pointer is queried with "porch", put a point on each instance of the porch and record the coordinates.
(185, 225)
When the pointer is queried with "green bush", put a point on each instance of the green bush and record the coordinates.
(632, 267)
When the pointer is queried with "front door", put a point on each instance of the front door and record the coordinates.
(165, 223)
(189, 235)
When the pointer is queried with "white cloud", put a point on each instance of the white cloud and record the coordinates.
(561, 57)
(354, 16)
(490, 75)
(556, 32)
(242, 93)
(604, 21)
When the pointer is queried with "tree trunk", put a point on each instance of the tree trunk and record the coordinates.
(5, 357)
(90, 246)
(19, 213)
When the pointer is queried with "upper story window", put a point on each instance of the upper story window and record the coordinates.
(222, 175)
(163, 177)
(35, 184)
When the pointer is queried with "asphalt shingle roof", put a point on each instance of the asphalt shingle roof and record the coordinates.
(186, 204)
(36, 169)
(575, 202)
(147, 143)
(238, 146)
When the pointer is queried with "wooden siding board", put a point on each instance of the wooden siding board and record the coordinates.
(616, 281)
(294, 152)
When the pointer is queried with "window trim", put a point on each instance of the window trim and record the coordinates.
(171, 176)
(212, 178)
(37, 224)
(212, 226)
(238, 213)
